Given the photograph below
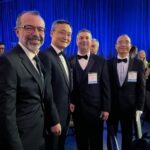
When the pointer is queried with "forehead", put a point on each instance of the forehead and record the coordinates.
(32, 20)
(123, 38)
(64, 27)
(94, 43)
(141, 52)
(84, 34)
(2, 45)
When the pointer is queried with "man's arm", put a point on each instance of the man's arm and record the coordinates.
(105, 88)
(141, 86)
(8, 93)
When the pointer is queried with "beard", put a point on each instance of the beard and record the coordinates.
(34, 43)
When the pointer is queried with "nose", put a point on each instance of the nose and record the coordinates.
(35, 32)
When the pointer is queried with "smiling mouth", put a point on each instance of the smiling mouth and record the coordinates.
(34, 42)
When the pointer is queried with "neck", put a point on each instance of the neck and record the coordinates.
(123, 55)
(83, 52)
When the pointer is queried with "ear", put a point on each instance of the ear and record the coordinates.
(51, 33)
(17, 32)
(116, 46)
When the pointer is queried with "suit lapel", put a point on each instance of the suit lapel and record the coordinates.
(129, 69)
(116, 72)
(61, 66)
(31, 69)
(88, 68)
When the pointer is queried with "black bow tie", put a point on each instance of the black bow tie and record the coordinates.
(80, 57)
(122, 60)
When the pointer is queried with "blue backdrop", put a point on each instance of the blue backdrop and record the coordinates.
(106, 19)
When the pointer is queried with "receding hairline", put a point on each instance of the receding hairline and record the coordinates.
(59, 22)
(95, 40)
(34, 13)
(123, 35)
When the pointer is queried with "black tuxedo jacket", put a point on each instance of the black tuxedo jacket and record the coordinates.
(90, 99)
(130, 96)
(61, 86)
(21, 103)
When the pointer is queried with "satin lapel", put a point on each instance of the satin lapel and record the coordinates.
(61, 66)
(29, 66)
(88, 67)
(115, 71)
(129, 69)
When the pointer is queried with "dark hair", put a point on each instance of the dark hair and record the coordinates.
(84, 30)
(61, 21)
(2, 43)
(133, 49)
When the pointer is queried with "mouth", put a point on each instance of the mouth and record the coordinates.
(35, 42)
(65, 42)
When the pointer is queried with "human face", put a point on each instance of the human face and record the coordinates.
(61, 35)
(94, 47)
(31, 32)
(123, 45)
(141, 55)
(84, 42)
(2, 47)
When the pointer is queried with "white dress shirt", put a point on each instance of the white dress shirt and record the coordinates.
(63, 61)
(30, 55)
(122, 69)
(83, 62)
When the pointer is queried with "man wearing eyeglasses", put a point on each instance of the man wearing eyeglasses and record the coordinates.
(22, 88)
(127, 91)
(57, 66)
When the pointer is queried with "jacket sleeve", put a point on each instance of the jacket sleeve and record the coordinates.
(8, 91)
(141, 86)
(105, 88)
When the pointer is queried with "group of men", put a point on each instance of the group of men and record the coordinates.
(39, 90)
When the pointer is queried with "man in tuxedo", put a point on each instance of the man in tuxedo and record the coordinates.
(90, 100)
(22, 88)
(127, 91)
(57, 67)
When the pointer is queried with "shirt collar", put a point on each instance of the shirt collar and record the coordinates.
(56, 49)
(88, 54)
(28, 52)
(118, 56)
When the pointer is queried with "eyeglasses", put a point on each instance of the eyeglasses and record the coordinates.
(30, 28)
(123, 42)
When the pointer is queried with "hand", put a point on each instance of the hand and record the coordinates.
(147, 73)
(138, 115)
(56, 129)
(104, 115)
(72, 107)
(139, 112)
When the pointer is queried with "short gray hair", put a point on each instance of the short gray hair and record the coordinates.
(33, 12)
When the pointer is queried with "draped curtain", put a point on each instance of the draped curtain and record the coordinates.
(106, 19)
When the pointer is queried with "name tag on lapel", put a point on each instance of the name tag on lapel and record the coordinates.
(132, 76)
(92, 78)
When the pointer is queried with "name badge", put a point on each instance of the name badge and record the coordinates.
(132, 76)
(92, 78)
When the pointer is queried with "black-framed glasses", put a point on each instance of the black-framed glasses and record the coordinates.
(31, 28)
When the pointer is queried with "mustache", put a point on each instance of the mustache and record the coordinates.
(35, 38)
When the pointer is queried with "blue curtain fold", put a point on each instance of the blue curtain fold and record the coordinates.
(106, 19)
